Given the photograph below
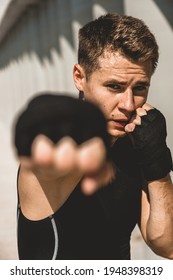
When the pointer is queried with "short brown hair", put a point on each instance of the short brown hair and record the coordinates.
(116, 33)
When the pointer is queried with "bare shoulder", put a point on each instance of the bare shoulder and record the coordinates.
(40, 197)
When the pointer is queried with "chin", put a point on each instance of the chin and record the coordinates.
(117, 134)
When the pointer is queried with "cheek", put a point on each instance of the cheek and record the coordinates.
(140, 101)
(102, 105)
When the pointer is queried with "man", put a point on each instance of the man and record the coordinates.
(80, 198)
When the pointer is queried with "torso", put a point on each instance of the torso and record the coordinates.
(89, 227)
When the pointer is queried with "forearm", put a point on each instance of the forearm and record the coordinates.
(159, 226)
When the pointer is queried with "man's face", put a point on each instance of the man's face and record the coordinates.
(118, 88)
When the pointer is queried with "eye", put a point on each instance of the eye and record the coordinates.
(114, 87)
(140, 90)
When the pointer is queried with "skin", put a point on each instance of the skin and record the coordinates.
(120, 89)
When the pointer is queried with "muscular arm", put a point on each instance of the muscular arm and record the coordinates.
(157, 216)
(154, 158)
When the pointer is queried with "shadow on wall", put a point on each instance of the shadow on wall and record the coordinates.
(166, 7)
(41, 27)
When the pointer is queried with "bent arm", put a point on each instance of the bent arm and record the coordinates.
(157, 216)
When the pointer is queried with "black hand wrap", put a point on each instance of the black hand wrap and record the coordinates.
(149, 141)
(57, 116)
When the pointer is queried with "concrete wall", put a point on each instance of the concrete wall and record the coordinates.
(38, 47)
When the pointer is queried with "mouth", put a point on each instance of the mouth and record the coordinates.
(119, 123)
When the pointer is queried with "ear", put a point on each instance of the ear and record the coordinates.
(79, 77)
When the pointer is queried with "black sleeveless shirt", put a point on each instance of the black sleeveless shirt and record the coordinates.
(89, 227)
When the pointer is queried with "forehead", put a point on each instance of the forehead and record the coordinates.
(115, 62)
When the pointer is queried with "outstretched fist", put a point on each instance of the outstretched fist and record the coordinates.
(58, 135)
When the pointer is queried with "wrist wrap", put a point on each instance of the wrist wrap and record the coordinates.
(149, 140)
(57, 116)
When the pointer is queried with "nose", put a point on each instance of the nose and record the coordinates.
(127, 102)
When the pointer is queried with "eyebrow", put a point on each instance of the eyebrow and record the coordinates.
(143, 83)
(112, 81)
